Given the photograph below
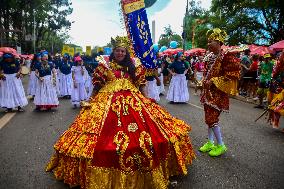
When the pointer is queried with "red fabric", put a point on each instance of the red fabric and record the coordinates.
(211, 115)
(254, 66)
(105, 154)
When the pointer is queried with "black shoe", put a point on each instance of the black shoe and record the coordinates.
(8, 110)
(20, 109)
(259, 106)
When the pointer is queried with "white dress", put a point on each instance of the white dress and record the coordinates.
(79, 93)
(46, 96)
(12, 94)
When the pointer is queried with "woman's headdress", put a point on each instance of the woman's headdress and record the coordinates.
(216, 34)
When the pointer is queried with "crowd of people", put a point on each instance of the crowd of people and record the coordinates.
(50, 78)
(122, 137)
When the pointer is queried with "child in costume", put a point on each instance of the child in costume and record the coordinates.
(79, 92)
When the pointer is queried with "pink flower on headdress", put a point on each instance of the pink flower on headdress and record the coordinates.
(78, 59)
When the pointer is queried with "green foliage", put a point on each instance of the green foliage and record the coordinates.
(169, 36)
(50, 22)
(246, 21)
(196, 25)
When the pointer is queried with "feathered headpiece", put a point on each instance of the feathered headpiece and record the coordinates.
(216, 34)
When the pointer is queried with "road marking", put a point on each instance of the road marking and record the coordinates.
(195, 106)
(5, 119)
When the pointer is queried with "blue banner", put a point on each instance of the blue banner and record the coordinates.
(139, 32)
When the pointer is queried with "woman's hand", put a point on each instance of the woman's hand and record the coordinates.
(75, 85)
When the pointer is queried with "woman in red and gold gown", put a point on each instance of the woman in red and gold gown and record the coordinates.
(122, 139)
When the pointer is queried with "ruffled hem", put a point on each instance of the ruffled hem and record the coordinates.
(80, 172)
(47, 106)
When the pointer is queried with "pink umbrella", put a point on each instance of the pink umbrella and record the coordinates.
(194, 51)
(277, 46)
(260, 50)
(172, 51)
(8, 50)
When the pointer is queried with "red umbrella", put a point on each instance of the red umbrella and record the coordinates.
(194, 51)
(260, 50)
(172, 51)
(277, 46)
(8, 50)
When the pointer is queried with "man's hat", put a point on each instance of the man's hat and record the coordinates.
(216, 34)
(267, 55)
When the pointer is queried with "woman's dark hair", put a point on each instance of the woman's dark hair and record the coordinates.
(255, 57)
(126, 63)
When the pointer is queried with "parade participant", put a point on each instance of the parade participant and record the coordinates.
(161, 77)
(252, 74)
(276, 93)
(79, 92)
(46, 97)
(178, 90)
(265, 70)
(245, 65)
(11, 87)
(221, 73)
(90, 65)
(122, 139)
(152, 85)
(198, 75)
(65, 81)
(165, 64)
(36, 62)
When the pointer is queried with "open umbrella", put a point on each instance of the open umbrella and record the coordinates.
(260, 50)
(194, 51)
(279, 46)
(172, 51)
(8, 50)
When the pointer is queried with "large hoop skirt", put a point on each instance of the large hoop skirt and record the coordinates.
(123, 140)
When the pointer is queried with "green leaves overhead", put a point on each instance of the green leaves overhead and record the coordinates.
(50, 20)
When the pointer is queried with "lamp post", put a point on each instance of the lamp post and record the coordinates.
(184, 26)
(34, 31)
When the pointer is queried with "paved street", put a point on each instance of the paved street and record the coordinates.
(255, 157)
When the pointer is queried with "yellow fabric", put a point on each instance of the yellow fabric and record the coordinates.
(277, 98)
(225, 85)
(216, 34)
(118, 85)
(131, 7)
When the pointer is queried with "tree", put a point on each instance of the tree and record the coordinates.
(169, 36)
(17, 21)
(196, 24)
(246, 21)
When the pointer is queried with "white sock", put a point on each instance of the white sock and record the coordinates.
(218, 134)
(210, 135)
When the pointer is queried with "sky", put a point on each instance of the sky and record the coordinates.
(96, 21)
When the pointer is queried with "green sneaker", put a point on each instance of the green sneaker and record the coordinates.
(218, 150)
(208, 146)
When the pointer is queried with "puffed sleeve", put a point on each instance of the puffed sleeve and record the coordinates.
(230, 74)
(140, 75)
(100, 76)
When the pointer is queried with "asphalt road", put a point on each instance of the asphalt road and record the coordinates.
(255, 157)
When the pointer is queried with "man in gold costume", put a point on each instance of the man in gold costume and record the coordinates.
(222, 71)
